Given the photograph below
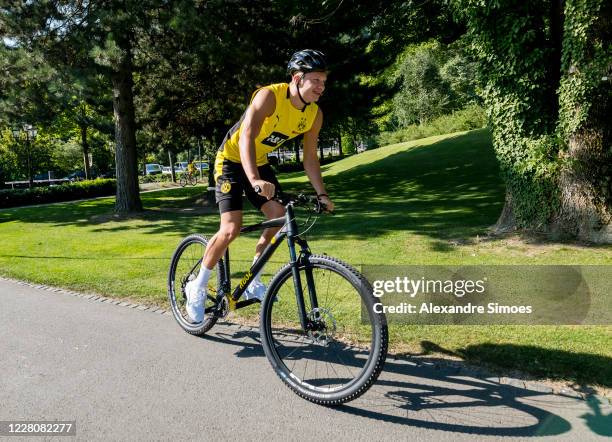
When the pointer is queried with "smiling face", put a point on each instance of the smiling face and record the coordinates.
(312, 85)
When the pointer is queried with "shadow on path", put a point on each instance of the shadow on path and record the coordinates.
(417, 394)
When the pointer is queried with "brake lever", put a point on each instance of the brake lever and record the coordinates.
(321, 207)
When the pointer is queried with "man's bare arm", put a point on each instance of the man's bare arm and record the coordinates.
(312, 165)
(261, 107)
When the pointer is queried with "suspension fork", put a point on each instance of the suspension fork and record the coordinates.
(292, 239)
(304, 260)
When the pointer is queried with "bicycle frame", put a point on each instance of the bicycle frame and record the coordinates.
(289, 231)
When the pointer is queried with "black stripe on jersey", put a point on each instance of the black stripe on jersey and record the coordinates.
(232, 131)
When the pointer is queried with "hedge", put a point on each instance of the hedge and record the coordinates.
(53, 194)
(157, 178)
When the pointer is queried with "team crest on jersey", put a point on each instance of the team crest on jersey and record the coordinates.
(302, 124)
(226, 187)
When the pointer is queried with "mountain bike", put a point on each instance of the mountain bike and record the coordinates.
(318, 326)
(188, 178)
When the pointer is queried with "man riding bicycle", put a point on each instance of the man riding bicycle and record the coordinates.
(276, 113)
(191, 169)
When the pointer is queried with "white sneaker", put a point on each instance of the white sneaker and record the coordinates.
(195, 301)
(255, 290)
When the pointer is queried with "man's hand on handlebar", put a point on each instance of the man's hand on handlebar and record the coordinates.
(322, 203)
(264, 188)
(329, 205)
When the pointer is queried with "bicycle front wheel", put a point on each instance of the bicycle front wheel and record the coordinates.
(344, 351)
(183, 180)
(184, 267)
(193, 180)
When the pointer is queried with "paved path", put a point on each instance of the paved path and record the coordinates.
(127, 374)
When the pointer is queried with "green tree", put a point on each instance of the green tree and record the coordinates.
(84, 38)
(30, 90)
(459, 71)
(423, 93)
(35, 91)
(429, 79)
(544, 67)
(200, 84)
(9, 162)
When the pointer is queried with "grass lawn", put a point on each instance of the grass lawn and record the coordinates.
(423, 202)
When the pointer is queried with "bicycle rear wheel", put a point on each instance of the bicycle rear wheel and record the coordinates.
(343, 355)
(183, 180)
(184, 267)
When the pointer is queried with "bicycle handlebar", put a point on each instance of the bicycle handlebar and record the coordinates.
(298, 200)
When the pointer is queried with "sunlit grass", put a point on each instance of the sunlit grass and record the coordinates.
(423, 202)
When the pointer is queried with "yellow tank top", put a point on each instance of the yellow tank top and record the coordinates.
(285, 123)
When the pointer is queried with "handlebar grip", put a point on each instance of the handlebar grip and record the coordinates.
(257, 188)
(322, 207)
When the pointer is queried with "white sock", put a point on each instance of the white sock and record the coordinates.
(258, 276)
(202, 278)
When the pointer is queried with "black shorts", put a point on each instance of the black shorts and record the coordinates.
(232, 182)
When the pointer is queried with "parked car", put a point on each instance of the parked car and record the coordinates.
(166, 170)
(44, 176)
(109, 174)
(180, 166)
(77, 175)
(153, 169)
(201, 165)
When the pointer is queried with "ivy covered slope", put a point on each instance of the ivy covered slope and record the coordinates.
(545, 73)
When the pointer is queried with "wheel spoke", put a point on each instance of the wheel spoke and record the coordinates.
(185, 266)
(328, 359)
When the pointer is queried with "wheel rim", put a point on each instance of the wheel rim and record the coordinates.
(333, 357)
(186, 268)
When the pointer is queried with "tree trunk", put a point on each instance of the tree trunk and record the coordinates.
(585, 189)
(296, 148)
(128, 196)
(585, 180)
(172, 173)
(211, 170)
(506, 222)
(85, 151)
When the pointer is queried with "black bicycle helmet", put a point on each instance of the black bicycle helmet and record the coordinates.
(307, 60)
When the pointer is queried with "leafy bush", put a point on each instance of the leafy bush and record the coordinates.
(348, 144)
(157, 178)
(472, 117)
(52, 194)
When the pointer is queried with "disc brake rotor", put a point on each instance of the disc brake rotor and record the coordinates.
(324, 326)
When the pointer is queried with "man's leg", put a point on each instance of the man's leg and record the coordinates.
(271, 209)
(228, 231)
(196, 289)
